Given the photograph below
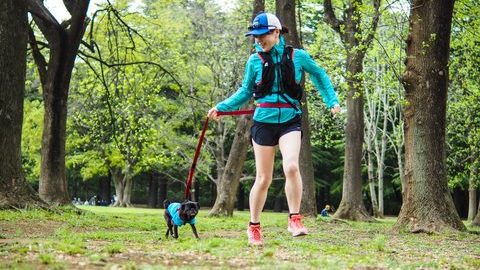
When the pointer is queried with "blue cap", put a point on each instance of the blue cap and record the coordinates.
(263, 23)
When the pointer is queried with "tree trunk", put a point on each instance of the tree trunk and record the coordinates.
(127, 192)
(153, 191)
(227, 185)
(229, 179)
(123, 187)
(472, 199)
(371, 120)
(399, 145)
(351, 206)
(396, 139)
(356, 41)
(241, 197)
(286, 13)
(53, 179)
(64, 41)
(476, 220)
(381, 149)
(371, 181)
(15, 192)
(401, 169)
(104, 189)
(427, 205)
(162, 189)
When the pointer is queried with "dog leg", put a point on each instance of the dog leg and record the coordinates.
(169, 229)
(194, 230)
(175, 231)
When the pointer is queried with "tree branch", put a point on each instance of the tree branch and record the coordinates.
(129, 64)
(330, 17)
(171, 177)
(47, 23)
(373, 27)
(37, 56)
(79, 19)
(70, 5)
(36, 8)
(91, 46)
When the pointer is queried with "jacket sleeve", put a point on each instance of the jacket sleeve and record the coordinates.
(319, 77)
(244, 93)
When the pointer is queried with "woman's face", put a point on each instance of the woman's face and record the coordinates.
(268, 40)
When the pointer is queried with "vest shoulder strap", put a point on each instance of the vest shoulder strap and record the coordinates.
(264, 57)
(288, 51)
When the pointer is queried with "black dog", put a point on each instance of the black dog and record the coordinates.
(178, 214)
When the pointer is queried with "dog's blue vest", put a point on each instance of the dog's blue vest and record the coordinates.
(173, 209)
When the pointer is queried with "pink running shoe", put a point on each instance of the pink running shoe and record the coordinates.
(295, 226)
(255, 235)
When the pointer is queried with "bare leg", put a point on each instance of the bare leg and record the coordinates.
(290, 148)
(264, 159)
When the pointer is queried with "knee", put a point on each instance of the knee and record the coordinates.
(291, 169)
(263, 181)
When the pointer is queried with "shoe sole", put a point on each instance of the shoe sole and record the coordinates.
(298, 233)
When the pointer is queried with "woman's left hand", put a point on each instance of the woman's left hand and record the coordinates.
(335, 109)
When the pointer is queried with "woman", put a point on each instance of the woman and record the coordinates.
(272, 77)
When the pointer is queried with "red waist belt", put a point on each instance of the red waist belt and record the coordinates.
(274, 105)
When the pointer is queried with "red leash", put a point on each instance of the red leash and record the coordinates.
(199, 146)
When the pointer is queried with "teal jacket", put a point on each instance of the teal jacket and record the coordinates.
(173, 210)
(253, 74)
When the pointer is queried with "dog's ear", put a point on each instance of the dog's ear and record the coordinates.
(166, 203)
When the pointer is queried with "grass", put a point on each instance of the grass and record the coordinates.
(120, 238)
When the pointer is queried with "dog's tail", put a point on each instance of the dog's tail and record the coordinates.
(166, 203)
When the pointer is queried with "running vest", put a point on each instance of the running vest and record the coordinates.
(288, 84)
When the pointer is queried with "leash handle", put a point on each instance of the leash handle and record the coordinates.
(199, 146)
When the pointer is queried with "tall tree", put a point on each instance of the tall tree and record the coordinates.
(63, 43)
(463, 113)
(427, 205)
(229, 178)
(286, 12)
(476, 220)
(356, 39)
(14, 192)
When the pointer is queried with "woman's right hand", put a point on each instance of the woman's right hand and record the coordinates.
(212, 114)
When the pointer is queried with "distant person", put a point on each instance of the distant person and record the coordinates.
(93, 200)
(325, 211)
(272, 77)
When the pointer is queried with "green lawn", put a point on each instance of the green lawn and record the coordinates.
(119, 238)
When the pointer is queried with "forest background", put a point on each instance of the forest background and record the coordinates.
(148, 72)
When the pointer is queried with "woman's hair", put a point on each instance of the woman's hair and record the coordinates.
(284, 29)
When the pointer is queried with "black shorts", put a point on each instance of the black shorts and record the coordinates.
(268, 134)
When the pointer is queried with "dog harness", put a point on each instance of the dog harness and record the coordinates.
(174, 212)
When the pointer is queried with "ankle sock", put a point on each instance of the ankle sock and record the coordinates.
(292, 214)
(254, 223)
